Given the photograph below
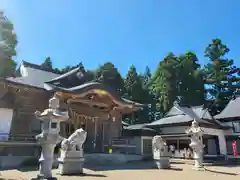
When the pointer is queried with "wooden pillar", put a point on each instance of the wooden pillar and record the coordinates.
(69, 128)
(95, 132)
(132, 117)
(178, 144)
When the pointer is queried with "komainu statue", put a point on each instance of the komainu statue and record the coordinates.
(75, 141)
(71, 159)
(160, 152)
(159, 146)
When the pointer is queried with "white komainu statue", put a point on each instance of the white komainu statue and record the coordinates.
(159, 147)
(160, 152)
(75, 140)
(71, 160)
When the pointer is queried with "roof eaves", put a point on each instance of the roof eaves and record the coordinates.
(63, 75)
(22, 84)
(93, 85)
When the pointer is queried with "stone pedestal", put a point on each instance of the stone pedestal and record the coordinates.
(198, 158)
(163, 163)
(71, 162)
(48, 143)
(46, 161)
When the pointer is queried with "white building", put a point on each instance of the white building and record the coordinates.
(219, 131)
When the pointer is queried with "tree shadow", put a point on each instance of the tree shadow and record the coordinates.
(175, 169)
(85, 174)
(175, 162)
(29, 168)
(128, 166)
(38, 178)
(221, 172)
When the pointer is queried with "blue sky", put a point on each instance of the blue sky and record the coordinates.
(139, 32)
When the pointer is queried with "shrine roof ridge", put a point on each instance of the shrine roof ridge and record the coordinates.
(39, 67)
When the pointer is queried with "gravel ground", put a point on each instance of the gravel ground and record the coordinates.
(137, 171)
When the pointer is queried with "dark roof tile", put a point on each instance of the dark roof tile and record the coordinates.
(231, 110)
(179, 114)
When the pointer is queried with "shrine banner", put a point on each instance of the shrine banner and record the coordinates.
(234, 147)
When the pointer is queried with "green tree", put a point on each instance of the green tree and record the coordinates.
(133, 85)
(8, 43)
(146, 78)
(190, 80)
(134, 90)
(220, 75)
(147, 96)
(47, 64)
(109, 75)
(164, 84)
(66, 69)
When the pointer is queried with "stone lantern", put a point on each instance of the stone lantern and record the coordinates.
(49, 137)
(196, 144)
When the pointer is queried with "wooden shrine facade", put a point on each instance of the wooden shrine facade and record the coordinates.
(100, 131)
(92, 105)
(97, 112)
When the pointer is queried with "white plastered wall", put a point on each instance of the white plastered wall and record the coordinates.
(5, 122)
(221, 138)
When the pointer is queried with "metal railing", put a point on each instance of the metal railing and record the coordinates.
(20, 138)
(123, 142)
(121, 145)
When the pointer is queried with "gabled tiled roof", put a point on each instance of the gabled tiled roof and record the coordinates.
(197, 112)
(35, 66)
(70, 79)
(77, 82)
(232, 110)
(36, 78)
(74, 81)
(183, 115)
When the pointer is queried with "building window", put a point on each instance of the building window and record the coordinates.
(236, 127)
(54, 125)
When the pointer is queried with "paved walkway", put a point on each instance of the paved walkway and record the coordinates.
(138, 171)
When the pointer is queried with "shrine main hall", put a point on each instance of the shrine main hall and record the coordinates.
(91, 105)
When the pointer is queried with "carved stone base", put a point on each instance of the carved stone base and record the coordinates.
(71, 162)
(39, 177)
(200, 168)
(45, 168)
(198, 162)
(163, 163)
